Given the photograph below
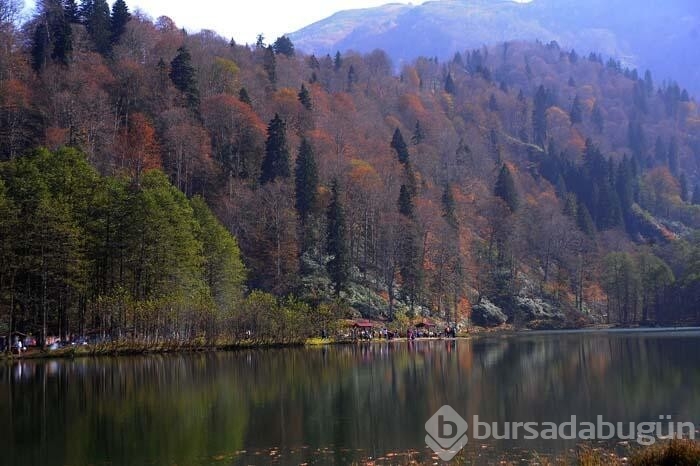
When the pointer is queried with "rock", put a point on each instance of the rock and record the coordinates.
(536, 309)
(538, 314)
(487, 314)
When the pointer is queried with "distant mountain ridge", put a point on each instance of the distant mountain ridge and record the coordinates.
(661, 36)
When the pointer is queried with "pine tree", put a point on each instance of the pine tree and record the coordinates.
(62, 40)
(673, 164)
(338, 266)
(399, 145)
(305, 98)
(648, 83)
(505, 188)
(306, 180)
(283, 46)
(450, 84)
(352, 78)
(40, 47)
(576, 113)
(418, 135)
(52, 37)
(71, 11)
(405, 202)
(276, 161)
(660, 153)
(539, 117)
(570, 206)
(597, 118)
(224, 272)
(183, 76)
(584, 220)
(244, 97)
(96, 17)
(120, 16)
(338, 61)
(270, 66)
(684, 187)
(493, 103)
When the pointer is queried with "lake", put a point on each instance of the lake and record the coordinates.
(338, 404)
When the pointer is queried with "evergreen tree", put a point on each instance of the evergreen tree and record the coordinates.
(648, 83)
(52, 37)
(505, 188)
(40, 47)
(71, 11)
(337, 61)
(399, 145)
(539, 117)
(418, 135)
(62, 40)
(584, 220)
(450, 87)
(660, 153)
(576, 113)
(283, 46)
(305, 98)
(270, 65)
(405, 202)
(570, 206)
(637, 139)
(306, 180)
(608, 210)
(673, 164)
(96, 17)
(597, 118)
(624, 184)
(352, 78)
(260, 41)
(120, 16)
(338, 266)
(493, 103)
(244, 97)
(183, 76)
(449, 207)
(223, 269)
(276, 160)
(684, 187)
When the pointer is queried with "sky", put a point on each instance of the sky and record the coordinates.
(243, 20)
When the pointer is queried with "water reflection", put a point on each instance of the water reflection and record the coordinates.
(334, 404)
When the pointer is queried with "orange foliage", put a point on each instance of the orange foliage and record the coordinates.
(56, 137)
(138, 149)
(14, 94)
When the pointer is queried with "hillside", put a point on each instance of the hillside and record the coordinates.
(652, 35)
(521, 182)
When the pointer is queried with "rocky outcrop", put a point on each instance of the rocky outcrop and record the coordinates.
(487, 314)
(538, 314)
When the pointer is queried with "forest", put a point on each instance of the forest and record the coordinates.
(157, 185)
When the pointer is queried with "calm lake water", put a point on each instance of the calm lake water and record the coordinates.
(337, 404)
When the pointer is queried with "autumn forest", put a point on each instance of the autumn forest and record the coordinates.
(157, 185)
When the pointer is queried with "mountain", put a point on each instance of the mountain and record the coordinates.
(660, 36)
(165, 187)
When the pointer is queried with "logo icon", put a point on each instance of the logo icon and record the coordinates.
(446, 433)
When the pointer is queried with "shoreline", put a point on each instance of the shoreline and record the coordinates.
(137, 349)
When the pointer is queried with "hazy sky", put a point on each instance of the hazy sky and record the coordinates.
(245, 19)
